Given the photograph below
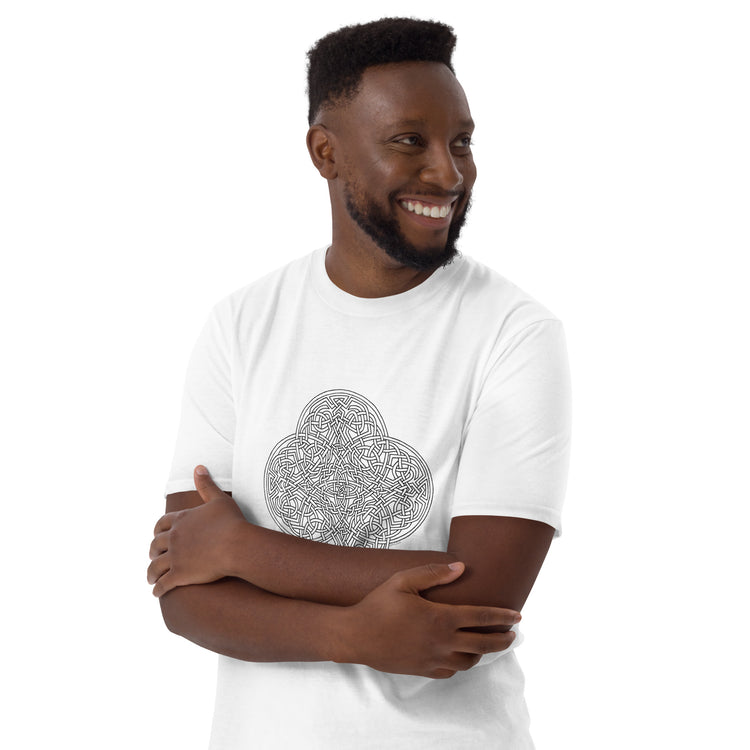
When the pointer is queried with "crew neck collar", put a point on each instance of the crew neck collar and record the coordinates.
(375, 306)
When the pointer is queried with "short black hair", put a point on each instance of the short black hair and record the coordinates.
(337, 61)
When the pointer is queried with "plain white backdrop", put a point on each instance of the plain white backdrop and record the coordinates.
(152, 160)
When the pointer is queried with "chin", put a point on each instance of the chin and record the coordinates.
(427, 259)
(385, 231)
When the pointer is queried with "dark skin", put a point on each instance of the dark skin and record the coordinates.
(243, 590)
(395, 137)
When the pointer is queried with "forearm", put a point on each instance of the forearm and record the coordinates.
(392, 629)
(383, 622)
(203, 539)
(234, 618)
(502, 556)
(330, 574)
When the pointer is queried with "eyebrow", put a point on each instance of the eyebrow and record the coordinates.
(419, 122)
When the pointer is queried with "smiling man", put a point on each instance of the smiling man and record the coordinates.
(383, 134)
(373, 449)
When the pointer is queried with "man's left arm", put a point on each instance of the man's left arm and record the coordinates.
(503, 556)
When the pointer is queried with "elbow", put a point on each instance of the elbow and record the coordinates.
(187, 611)
(171, 612)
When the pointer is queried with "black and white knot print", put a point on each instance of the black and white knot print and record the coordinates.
(342, 479)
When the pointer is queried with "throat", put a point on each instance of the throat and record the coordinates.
(365, 275)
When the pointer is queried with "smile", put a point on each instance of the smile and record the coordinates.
(422, 208)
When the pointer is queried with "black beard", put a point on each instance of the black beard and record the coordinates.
(385, 232)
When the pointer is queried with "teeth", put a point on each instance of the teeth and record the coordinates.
(434, 212)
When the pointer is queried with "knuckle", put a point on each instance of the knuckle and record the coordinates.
(440, 619)
(485, 618)
(396, 582)
(398, 579)
(487, 646)
(432, 569)
(505, 642)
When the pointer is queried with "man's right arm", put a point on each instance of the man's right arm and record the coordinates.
(230, 616)
(237, 619)
(393, 629)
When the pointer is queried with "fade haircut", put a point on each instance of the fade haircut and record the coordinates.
(337, 61)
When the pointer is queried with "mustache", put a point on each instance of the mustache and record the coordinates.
(435, 194)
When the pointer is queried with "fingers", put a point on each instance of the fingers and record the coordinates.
(157, 568)
(206, 486)
(164, 523)
(470, 616)
(164, 584)
(161, 574)
(470, 649)
(461, 662)
(426, 576)
(441, 674)
(482, 643)
(159, 545)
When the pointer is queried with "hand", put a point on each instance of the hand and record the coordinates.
(191, 546)
(394, 629)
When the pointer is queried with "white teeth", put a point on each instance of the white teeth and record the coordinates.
(434, 212)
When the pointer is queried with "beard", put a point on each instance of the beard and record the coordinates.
(384, 230)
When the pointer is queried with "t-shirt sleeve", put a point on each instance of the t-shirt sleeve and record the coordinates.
(516, 445)
(207, 422)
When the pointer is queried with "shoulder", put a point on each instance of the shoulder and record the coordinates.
(261, 297)
(501, 307)
(270, 285)
(242, 319)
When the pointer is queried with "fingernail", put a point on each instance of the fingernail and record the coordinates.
(455, 565)
(202, 470)
(517, 618)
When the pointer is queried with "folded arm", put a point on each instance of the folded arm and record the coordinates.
(502, 555)
(391, 629)
(296, 580)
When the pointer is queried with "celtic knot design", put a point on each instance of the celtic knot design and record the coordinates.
(341, 479)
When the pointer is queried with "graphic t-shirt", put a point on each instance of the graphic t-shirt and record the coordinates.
(373, 422)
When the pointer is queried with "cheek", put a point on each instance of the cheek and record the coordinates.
(372, 175)
(469, 173)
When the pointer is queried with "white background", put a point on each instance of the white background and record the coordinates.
(152, 160)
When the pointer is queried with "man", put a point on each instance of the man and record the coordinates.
(392, 421)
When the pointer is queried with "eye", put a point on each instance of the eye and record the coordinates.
(409, 140)
(463, 142)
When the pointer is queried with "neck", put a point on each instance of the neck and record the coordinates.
(370, 272)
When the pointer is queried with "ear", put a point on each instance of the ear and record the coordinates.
(320, 145)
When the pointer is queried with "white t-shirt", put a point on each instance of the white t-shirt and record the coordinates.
(373, 422)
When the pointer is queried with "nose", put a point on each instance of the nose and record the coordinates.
(441, 170)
